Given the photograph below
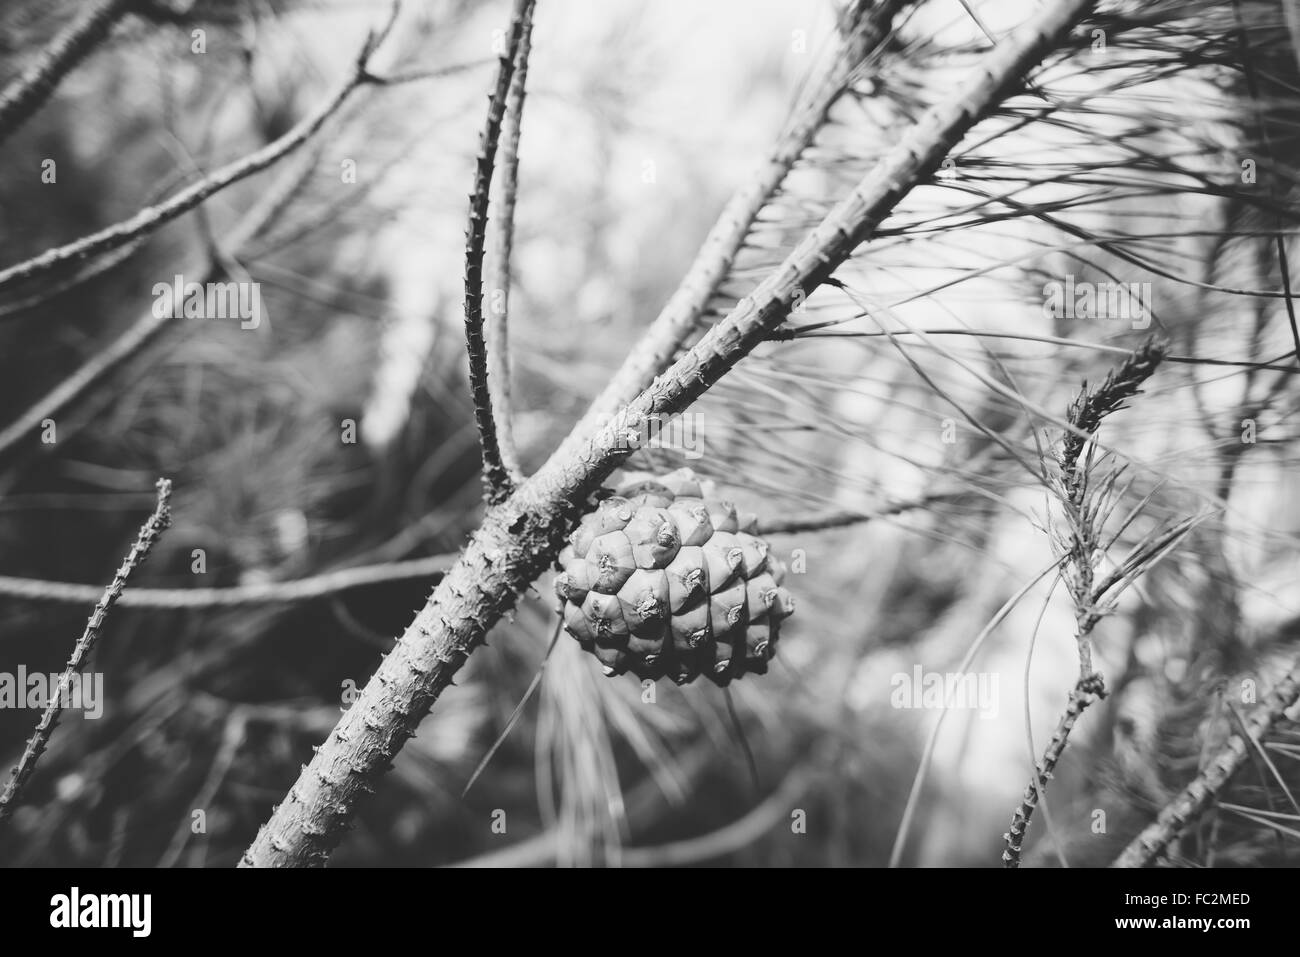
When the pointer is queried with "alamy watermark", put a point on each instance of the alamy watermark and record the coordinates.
(1124, 301)
(179, 299)
(35, 690)
(933, 690)
(683, 432)
(133, 912)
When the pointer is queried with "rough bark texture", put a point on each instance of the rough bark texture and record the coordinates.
(1089, 690)
(520, 536)
(498, 322)
(497, 479)
(1283, 702)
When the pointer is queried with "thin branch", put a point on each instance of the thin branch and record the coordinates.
(27, 92)
(145, 540)
(496, 474)
(437, 73)
(680, 315)
(1057, 844)
(1282, 704)
(499, 283)
(96, 367)
(1086, 691)
(522, 535)
(144, 330)
(267, 593)
(153, 217)
(99, 267)
(1081, 548)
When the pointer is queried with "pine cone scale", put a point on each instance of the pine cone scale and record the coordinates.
(663, 579)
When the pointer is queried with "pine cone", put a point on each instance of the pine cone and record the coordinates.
(662, 579)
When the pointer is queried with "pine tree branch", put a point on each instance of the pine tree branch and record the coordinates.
(1080, 552)
(1086, 691)
(1281, 704)
(129, 342)
(152, 218)
(496, 477)
(680, 315)
(521, 536)
(498, 332)
(27, 92)
(151, 323)
(144, 542)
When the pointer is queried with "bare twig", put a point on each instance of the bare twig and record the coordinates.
(268, 593)
(498, 331)
(1086, 691)
(145, 540)
(436, 73)
(1281, 704)
(153, 217)
(1029, 725)
(496, 476)
(96, 367)
(519, 537)
(27, 92)
(152, 322)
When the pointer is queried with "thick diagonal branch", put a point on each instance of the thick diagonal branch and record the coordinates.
(869, 26)
(520, 537)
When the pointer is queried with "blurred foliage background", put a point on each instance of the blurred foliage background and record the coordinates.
(641, 120)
